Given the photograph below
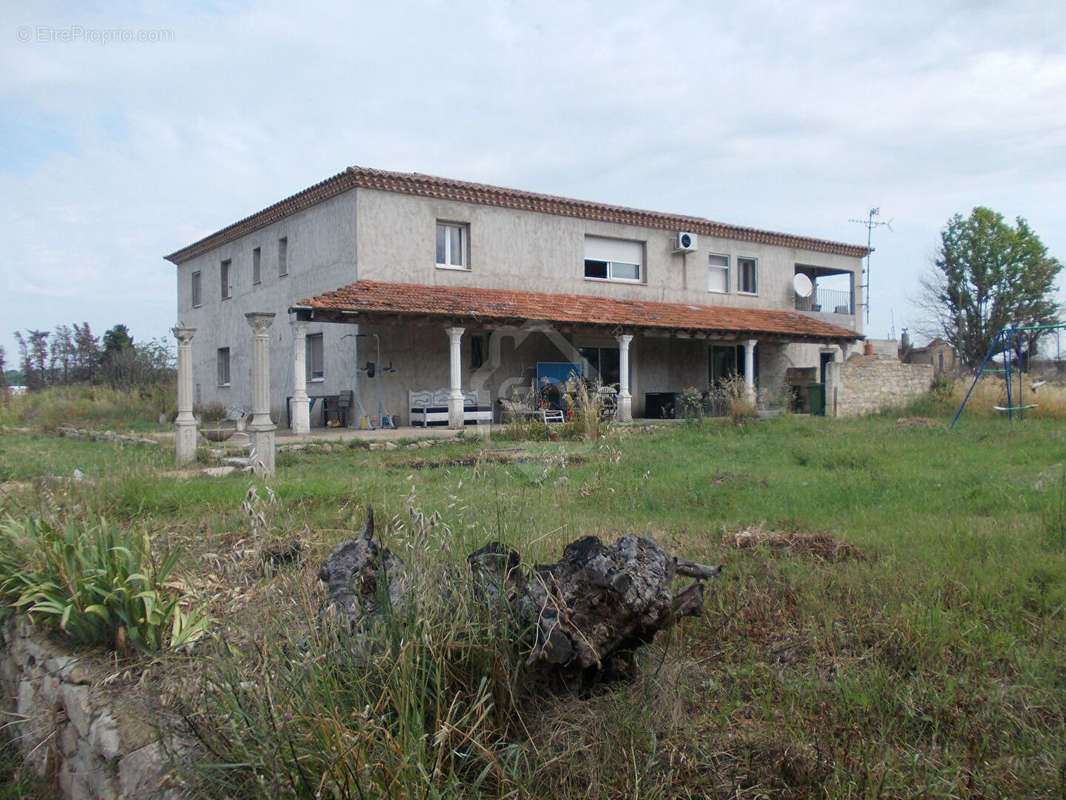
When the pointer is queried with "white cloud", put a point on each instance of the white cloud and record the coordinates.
(771, 114)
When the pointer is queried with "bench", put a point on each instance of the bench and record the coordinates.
(431, 408)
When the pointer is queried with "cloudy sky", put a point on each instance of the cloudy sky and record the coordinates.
(130, 130)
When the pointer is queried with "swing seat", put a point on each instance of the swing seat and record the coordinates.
(1016, 408)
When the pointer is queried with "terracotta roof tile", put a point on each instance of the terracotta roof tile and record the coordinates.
(506, 306)
(414, 183)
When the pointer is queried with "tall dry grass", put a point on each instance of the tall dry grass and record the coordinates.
(88, 406)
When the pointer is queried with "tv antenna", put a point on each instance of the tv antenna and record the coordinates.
(870, 223)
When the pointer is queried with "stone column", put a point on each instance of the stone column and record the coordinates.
(625, 399)
(185, 424)
(261, 428)
(749, 368)
(455, 396)
(299, 406)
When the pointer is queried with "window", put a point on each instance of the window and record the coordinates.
(478, 349)
(453, 249)
(223, 273)
(746, 275)
(257, 275)
(315, 364)
(223, 366)
(197, 295)
(601, 364)
(283, 256)
(613, 259)
(718, 273)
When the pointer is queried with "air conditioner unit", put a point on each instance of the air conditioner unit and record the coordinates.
(686, 242)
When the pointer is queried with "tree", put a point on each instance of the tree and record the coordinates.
(3, 375)
(86, 352)
(33, 355)
(116, 340)
(987, 276)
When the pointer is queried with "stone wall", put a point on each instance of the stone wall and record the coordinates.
(867, 384)
(84, 739)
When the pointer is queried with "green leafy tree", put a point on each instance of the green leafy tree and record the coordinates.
(986, 276)
(116, 340)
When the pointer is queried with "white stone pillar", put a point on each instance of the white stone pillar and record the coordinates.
(455, 396)
(185, 423)
(625, 399)
(749, 368)
(261, 428)
(299, 406)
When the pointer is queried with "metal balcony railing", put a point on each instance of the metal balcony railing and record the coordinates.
(828, 301)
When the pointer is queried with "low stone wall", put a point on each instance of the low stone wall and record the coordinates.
(83, 739)
(867, 384)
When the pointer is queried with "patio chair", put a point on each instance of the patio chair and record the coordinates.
(552, 415)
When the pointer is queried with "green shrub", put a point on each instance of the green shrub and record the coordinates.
(96, 583)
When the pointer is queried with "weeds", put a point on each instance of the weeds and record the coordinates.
(96, 584)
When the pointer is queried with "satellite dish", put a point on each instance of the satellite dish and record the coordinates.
(802, 284)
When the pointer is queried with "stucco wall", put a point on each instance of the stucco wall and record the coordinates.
(374, 235)
(512, 249)
(865, 384)
(321, 257)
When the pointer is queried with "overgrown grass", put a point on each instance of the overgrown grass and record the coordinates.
(93, 407)
(890, 623)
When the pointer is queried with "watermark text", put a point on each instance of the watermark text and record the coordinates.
(76, 34)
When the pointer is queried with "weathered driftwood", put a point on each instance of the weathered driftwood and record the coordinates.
(597, 602)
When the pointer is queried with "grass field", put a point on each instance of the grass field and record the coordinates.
(890, 621)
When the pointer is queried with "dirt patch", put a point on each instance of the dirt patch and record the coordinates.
(506, 457)
(737, 479)
(816, 546)
(918, 422)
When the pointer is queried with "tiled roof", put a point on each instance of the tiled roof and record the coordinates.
(506, 306)
(414, 183)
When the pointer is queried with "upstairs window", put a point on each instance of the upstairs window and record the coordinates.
(257, 274)
(453, 249)
(283, 256)
(316, 370)
(223, 273)
(223, 366)
(746, 275)
(613, 259)
(197, 291)
(718, 273)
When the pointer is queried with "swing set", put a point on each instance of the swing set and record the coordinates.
(1008, 342)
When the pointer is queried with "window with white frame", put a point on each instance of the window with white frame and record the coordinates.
(718, 273)
(223, 366)
(613, 259)
(283, 256)
(316, 370)
(453, 246)
(197, 290)
(223, 274)
(257, 274)
(747, 275)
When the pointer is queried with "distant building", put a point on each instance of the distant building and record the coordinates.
(941, 355)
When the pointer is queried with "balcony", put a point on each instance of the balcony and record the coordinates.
(827, 301)
(824, 290)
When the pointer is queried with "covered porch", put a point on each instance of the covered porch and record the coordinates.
(460, 350)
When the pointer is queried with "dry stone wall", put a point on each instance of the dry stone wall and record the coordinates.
(87, 742)
(867, 384)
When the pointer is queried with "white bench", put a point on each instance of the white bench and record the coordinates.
(431, 408)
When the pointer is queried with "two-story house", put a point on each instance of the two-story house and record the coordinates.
(479, 288)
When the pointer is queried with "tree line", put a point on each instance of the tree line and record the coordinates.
(73, 354)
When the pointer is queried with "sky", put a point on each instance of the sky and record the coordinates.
(128, 131)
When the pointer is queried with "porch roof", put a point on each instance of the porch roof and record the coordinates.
(504, 306)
